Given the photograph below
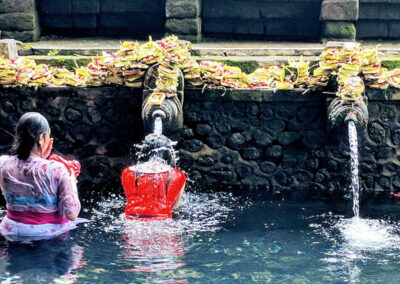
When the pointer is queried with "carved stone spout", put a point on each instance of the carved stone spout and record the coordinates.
(168, 106)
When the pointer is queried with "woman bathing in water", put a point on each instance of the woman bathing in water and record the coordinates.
(41, 193)
(153, 186)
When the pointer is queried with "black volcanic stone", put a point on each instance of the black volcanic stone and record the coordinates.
(203, 129)
(85, 151)
(215, 141)
(275, 126)
(251, 153)
(223, 127)
(243, 170)
(396, 136)
(313, 164)
(239, 125)
(333, 165)
(192, 145)
(261, 138)
(103, 133)
(227, 159)
(384, 153)
(236, 141)
(253, 109)
(281, 178)
(384, 182)
(274, 151)
(72, 114)
(81, 132)
(114, 149)
(266, 113)
(8, 106)
(94, 115)
(206, 160)
(267, 167)
(285, 138)
(112, 115)
(226, 176)
(187, 133)
(376, 132)
(387, 115)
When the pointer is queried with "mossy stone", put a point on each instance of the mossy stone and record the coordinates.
(246, 66)
(338, 30)
(390, 65)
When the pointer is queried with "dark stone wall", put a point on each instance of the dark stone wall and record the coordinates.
(267, 19)
(378, 19)
(122, 18)
(258, 141)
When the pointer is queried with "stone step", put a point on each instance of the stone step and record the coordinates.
(247, 63)
(87, 47)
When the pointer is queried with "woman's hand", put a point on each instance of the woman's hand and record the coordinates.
(48, 150)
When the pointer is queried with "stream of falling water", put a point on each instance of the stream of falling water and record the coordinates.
(158, 126)
(355, 183)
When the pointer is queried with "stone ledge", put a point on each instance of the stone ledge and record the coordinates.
(194, 93)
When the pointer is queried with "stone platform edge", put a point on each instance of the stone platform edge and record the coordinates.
(209, 94)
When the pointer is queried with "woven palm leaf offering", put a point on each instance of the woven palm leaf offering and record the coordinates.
(300, 68)
(8, 71)
(261, 78)
(351, 90)
(212, 72)
(233, 77)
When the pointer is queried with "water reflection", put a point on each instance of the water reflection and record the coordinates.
(42, 261)
(152, 245)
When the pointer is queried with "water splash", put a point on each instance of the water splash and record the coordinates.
(158, 127)
(368, 234)
(355, 183)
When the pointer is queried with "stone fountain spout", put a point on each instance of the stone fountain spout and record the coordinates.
(168, 106)
(341, 112)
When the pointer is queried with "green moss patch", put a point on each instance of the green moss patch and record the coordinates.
(246, 66)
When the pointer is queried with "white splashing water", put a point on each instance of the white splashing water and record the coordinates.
(355, 183)
(369, 234)
(158, 127)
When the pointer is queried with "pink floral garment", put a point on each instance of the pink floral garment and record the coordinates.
(39, 195)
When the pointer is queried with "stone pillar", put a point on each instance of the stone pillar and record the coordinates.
(184, 18)
(338, 19)
(19, 20)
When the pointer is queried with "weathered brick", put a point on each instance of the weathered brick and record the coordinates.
(289, 10)
(218, 25)
(84, 21)
(286, 28)
(112, 6)
(230, 8)
(85, 6)
(139, 22)
(338, 30)
(380, 1)
(57, 21)
(18, 21)
(182, 8)
(56, 6)
(249, 27)
(184, 26)
(339, 10)
(370, 29)
(369, 11)
(394, 29)
(390, 12)
(14, 6)
(32, 35)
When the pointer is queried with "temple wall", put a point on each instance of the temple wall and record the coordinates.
(299, 20)
(245, 140)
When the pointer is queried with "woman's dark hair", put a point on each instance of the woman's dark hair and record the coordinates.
(157, 146)
(29, 128)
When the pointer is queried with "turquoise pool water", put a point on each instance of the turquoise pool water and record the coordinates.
(217, 238)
